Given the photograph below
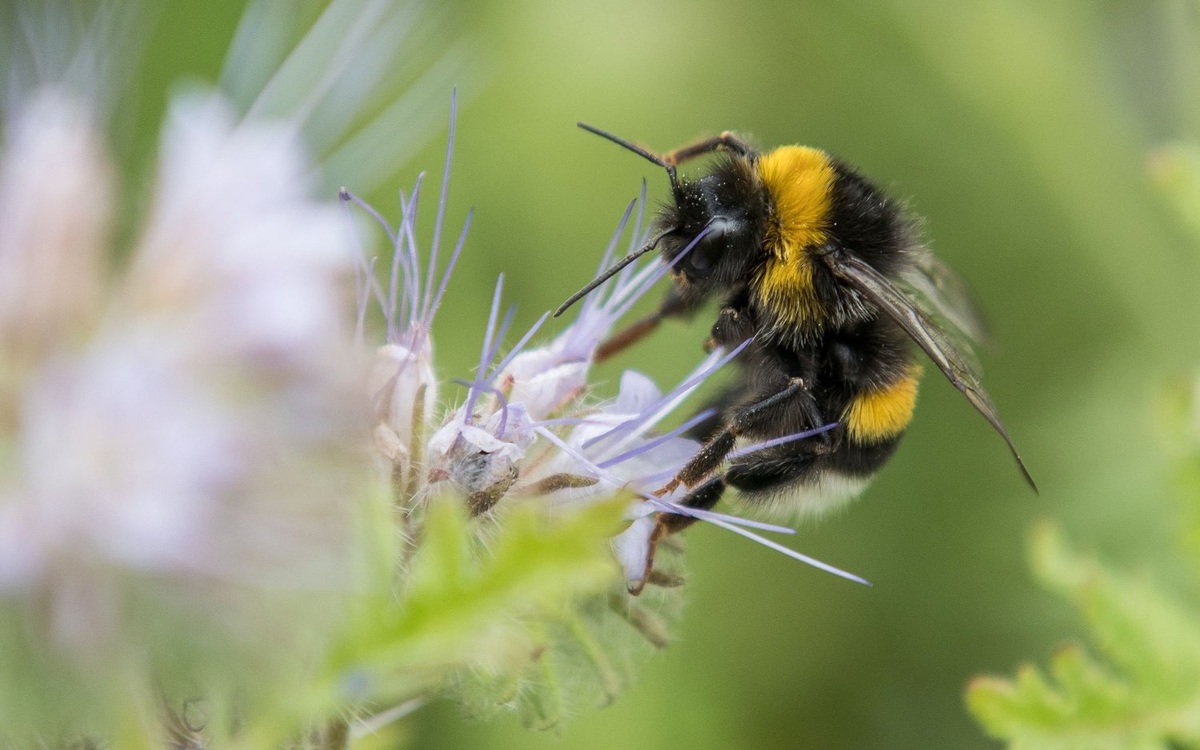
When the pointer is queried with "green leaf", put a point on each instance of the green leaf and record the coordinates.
(1148, 698)
(581, 658)
(1155, 639)
(1087, 708)
(475, 603)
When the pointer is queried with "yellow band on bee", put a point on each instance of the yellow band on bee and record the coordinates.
(800, 182)
(877, 415)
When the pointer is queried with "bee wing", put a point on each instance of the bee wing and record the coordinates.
(956, 366)
(949, 295)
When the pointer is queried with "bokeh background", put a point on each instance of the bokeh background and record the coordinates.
(1023, 132)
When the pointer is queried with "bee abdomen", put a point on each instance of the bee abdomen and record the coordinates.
(875, 415)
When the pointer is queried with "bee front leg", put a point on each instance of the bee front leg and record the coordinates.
(734, 325)
(726, 141)
(673, 306)
(702, 498)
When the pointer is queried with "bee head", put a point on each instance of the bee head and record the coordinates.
(726, 211)
(719, 220)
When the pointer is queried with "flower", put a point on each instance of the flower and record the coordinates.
(182, 443)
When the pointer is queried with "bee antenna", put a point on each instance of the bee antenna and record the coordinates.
(612, 271)
(641, 151)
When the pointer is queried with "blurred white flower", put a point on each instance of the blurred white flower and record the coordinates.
(201, 425)
(52, 268)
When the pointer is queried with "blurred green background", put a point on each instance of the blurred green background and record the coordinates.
(1022, 132)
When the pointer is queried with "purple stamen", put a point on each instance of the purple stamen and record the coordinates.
(668, 506)
(360, 322)
(395, 298)
(790, 552)
(408, 227)
(636, 239)
(659, 477)
(660, 271)
(500, 334)
(574, 421)
(481, 386)
(441, 214)
(782, 440)
(490, 332)
(592, 301)
(500, 428)
(665, 506)
(650, 445)
(630, 286)
(664, 405)
(362, 272)
(637, 223)
(488, 357)
(488, 335)
(616, 236)
(634, 284)
(366, 285)
(659, 503)
(686, 388)
(437, 297)
(512, 353)
(345, 196)
(629, 289)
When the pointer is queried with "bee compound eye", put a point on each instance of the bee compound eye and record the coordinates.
(698, 261)
(709, 250)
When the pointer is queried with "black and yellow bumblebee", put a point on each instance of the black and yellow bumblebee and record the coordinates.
(827, 277)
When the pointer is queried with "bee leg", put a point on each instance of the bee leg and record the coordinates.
(719, 405)
(673, 306)
(764, 477)
(724, 142)
(703, 497)
(627, 336)
(733, 326)
(710, 456)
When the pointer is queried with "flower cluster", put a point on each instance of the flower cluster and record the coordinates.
(529, 429)
(180, 443)
(165, 421)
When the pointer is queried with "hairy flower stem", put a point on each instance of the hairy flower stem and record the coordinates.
(335, 735)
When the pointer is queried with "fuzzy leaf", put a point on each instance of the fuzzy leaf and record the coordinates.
(1087, 708)
(1153, 638)
(1150, 699)
(580, 658)
(472, 605)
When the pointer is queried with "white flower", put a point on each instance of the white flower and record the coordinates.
(203, 427)
(404, 392)
(56, 211)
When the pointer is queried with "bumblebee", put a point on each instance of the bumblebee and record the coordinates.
(826, 277)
